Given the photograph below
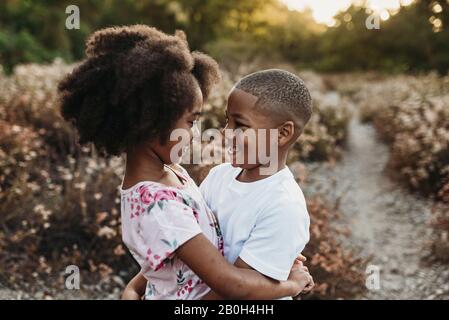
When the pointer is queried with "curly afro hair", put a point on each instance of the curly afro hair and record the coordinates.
(135, 83)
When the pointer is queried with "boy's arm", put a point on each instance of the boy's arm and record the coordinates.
(135, 288)
(279, 234)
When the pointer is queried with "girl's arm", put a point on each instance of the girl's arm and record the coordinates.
(136, 287)
(231, 282)
(211, 295)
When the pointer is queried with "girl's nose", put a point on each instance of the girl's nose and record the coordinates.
(195, 129)
(225, 129)
(229, 136)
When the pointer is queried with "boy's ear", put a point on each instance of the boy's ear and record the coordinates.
(286, 132)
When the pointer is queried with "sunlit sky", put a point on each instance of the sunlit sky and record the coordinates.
(324, 10)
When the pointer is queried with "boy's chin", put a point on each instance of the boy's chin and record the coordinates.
(236, 165)
(244, 165)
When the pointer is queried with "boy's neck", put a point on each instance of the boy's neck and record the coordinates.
(254, 174)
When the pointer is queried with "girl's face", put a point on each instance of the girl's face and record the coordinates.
(182, 132)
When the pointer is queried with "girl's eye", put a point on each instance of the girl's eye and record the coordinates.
(240, 125)
(194, 125)
(195, 128)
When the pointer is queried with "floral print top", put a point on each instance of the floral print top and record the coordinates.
(156, 220)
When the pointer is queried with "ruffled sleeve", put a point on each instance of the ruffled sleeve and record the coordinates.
(165, 224)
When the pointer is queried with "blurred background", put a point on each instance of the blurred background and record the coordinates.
(373, 161)
(324, 35)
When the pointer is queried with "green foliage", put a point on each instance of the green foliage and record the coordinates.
(21, 46)
(34, 31)
(405, 42)
(238, 30)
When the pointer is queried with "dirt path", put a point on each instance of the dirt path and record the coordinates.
(387, 222)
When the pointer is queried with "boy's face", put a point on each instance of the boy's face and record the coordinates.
(243, 117)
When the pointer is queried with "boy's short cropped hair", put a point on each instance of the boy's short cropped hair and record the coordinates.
(283, 95)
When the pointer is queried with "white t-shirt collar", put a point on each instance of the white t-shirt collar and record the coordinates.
(243, 187)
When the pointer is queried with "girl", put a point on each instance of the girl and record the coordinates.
(135, 87)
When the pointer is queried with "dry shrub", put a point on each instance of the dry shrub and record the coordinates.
(412, 115)
(439, 244)
(59, 203)
(440, 221)
(419, 131)
(337, 271)
(325, 134)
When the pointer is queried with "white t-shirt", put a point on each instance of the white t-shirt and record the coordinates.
(265, 222)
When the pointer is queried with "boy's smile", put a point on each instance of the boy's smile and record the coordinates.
(243, 116)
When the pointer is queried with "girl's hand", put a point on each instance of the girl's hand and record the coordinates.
(130, 294)
(135, 288)
(300, 279)
(299, 261)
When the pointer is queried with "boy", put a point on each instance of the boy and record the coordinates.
(263, 218)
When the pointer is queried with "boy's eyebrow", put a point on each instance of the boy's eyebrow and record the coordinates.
(198, 113)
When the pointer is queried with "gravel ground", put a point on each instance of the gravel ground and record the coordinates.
(44, 294)
(387, 222)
